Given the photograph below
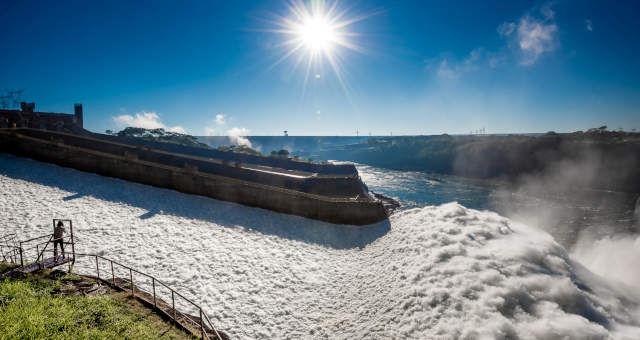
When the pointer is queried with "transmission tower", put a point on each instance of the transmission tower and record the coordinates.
(4, 102)
(16, 96)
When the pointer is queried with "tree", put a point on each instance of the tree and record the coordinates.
(283, 153)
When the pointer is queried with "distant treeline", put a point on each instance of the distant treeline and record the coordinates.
(598, 158)
(159, 135)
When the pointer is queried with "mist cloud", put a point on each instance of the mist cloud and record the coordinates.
(613, 257)
(237, 136)
(563, 200)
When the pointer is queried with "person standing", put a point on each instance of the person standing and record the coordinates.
(58, 234)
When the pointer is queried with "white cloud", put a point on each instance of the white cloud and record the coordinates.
(534, 36)
(449, 67)
(237, 136)
(146, 120)
(178, 129)
(531, 36)
(547, 12)
(506, 29)
(218, 123)
(220, 119)
(588, 25)
(446, 71)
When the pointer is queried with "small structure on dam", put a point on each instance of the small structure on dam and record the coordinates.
(27, 117)
(327, 192)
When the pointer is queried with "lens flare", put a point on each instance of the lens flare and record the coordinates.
(316, 33)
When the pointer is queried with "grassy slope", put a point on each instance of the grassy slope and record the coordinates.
(37, 308)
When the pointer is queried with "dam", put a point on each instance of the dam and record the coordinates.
(321, 191)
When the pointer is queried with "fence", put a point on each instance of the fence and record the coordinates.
(9, 248)
(23, 253)
(25, 248)
(202, 322)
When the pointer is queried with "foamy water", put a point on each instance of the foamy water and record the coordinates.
(434, 272)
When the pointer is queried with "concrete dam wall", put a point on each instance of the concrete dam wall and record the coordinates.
(335, 200)
(284, 163)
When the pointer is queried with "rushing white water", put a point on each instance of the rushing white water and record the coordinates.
(434, 272)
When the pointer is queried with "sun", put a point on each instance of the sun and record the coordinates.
(315, 33)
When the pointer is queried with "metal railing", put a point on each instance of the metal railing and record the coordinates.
(9, 248)
(26, 249)
(14, 250)
(201, 323)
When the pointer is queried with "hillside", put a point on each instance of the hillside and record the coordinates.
(611, 159)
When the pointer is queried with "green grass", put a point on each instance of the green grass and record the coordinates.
(34, 308)
(4, 267)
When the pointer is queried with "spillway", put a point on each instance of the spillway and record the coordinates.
(430, 272)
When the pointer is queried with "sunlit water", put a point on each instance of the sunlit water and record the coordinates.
(565, 216)
(417, 189)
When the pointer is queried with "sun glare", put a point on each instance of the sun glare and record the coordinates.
(316, 32)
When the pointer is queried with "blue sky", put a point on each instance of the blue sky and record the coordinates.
(424, 67)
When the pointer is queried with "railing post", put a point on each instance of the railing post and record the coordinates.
(133, 293)
(21, 261)
(201, 325)
(173, 303)
(113, 277)
(97, 267)
(73, 242)
(153, 282)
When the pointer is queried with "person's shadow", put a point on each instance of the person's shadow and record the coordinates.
(158, 200)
